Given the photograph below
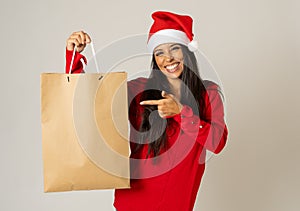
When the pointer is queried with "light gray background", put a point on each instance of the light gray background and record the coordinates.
(254, 46)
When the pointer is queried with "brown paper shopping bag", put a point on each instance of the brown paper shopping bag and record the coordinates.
(84, 131)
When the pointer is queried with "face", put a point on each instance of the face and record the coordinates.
(169, 59)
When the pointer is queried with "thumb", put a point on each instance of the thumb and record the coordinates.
(164, 94)
(167, 96)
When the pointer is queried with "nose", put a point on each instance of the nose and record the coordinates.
(169, 56)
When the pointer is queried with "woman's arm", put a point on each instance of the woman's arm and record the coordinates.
(78, 39)
(211, 133)
(77, 66)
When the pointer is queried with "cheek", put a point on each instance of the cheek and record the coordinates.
(159, 62)
(179, 56)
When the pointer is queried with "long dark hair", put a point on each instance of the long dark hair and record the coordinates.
(153, 127)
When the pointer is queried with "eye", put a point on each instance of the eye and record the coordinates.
(175, 48)
(158, 53)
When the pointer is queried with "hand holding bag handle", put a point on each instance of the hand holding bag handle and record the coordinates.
(94, 57)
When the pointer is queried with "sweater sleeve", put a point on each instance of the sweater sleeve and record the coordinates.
(211, 133)
(77, 66)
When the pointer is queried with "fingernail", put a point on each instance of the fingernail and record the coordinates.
(142, 103)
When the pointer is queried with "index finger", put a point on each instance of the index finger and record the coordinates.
(150, 102)
(88, 38)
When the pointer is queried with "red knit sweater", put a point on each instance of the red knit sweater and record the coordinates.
(171, 182)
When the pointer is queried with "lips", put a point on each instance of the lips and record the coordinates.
(172, 67)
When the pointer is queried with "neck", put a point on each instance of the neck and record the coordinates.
(175, 84)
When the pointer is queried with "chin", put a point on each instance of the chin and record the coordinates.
(173, 75)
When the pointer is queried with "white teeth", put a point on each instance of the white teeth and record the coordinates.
(171, 67)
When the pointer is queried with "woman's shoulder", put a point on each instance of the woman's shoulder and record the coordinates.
(210, 85)
(213, 90)
(138, 82)
(136, 86)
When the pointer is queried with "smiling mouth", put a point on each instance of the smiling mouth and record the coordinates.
(172, 68)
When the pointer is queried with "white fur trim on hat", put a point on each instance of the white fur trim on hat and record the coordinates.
(193, 46)
(167, 36)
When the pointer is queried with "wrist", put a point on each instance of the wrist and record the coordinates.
(180, 106)
(70, 47)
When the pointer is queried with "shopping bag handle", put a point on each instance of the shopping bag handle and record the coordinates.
(94, 57)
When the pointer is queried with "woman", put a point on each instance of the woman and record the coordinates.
(175, 117)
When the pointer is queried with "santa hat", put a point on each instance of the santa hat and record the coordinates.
(171, 28)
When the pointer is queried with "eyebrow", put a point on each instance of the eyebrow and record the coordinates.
(159, 49)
